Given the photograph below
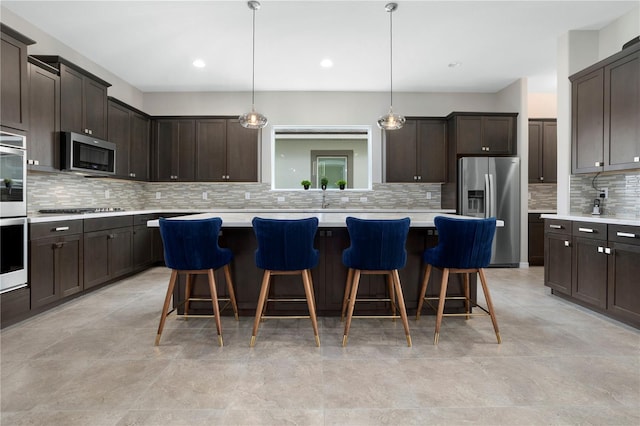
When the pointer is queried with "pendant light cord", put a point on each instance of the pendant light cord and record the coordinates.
(391, 56)
(253, 61)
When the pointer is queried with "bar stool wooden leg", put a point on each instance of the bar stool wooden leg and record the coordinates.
(487, 296)
(306, 280)
(423, 290)
(313, 292)
(443, 295)
(347, 290)
(401, 306)
(232, 294)
(167, 300)
(261, 301)
(266, 300)
(465, 281)
(214, 302)
(187, 295)
(352, 302)
(392, 294)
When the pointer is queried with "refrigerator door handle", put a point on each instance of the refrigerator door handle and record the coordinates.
(492, 196)
(487, 195)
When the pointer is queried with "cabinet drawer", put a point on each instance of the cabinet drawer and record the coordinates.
(101, 223)
(557, 226)
(52, 229)
(142, 219)
(597, 231)
(624, 234)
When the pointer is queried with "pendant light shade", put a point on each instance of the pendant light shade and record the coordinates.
(391, 121)
(253, 119)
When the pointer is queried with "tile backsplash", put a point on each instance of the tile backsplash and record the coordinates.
(623, 198)
(59, 190)
(543, 196)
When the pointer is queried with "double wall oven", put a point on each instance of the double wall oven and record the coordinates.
(13, 211)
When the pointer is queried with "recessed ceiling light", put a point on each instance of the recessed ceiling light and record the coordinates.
(455, 64)
(199, 63)
(326, 63)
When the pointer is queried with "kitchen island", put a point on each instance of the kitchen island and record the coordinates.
(330, 275)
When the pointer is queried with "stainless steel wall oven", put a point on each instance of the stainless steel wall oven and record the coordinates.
(13, 211)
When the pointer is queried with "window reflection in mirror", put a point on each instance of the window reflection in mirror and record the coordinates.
(312, 153)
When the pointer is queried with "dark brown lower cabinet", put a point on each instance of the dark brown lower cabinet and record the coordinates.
(15, 306)
(56, 262)
(557, 255)
(536, 240)
(108, 249)
(329, 277)
(604, 268)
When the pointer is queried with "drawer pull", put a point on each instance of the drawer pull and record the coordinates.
(567, 244)
(589, 230)
(555, 226)
(625, 234)
(61, 228)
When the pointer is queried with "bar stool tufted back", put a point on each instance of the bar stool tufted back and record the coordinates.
(191, 248)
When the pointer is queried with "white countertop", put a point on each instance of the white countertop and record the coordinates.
(242, 219)
(594, 218)
(39, 218)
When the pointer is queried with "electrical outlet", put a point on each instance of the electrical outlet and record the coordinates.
(247, 195)
(428, 195)
(344, 199)
(363, 199)
(281, 199)
(158, 195)
(107, 194)
(604, 193)
(205, 196)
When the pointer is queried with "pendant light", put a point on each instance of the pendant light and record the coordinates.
(253, 119)
(391, 121)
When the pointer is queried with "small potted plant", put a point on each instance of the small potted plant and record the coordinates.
(341, 183)
(8, 183)
(306, 183)
(323, 183)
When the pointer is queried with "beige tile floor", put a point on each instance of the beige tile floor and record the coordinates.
(92, 362)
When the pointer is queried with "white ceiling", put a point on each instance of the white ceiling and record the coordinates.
(152, 44)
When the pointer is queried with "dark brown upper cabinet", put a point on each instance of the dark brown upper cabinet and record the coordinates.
(83, 98)
(490, 134)
(14, 110)
(173, 150)
(417, 152)
(605, 106)
(44, 111)
(543, 151)
(128, 128)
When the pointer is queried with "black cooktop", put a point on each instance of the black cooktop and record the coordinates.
(80, 210)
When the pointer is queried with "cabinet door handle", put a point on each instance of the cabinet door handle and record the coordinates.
(607, 250)
(636, 159)
(600, 249)
(322, 233)
(329, 233)
(541, 178)
(556, 226)
(598, 164)
(567, 244)
(111, 236)
(60, 228)
(589, 230)
(626, 234)
(58, 245)
(419, 177)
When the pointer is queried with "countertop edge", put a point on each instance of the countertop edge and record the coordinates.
(594, 218)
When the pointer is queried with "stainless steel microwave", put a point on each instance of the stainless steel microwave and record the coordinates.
(86, 154)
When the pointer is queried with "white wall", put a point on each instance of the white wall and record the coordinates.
(614, 35)
(542, 105)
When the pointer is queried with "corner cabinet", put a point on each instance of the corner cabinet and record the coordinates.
(128, 128)
(83, 98)
(14, 112)
(417, 152)
(543, 151)
(605, 106)
(490, 134)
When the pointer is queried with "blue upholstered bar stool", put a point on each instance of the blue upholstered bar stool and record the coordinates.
(464, 247)
(285, 247)
(377, 247)
(191, 248)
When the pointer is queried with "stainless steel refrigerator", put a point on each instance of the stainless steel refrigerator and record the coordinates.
(490, 187)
